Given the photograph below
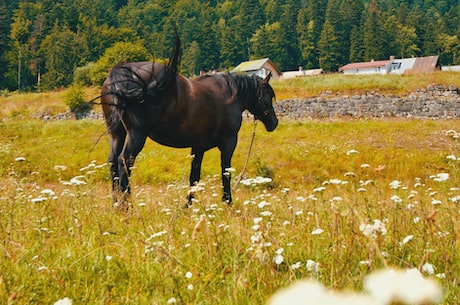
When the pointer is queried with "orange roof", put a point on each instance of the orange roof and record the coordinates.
(363, 65)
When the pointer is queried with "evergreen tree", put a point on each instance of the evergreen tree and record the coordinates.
(331, 55)
(267, 42)
(63, 51)
(350, 13)
(374, 40)
(307, 41)
(357, 49)
(191, 60)
(288, 21)
(329, 48)
(4, 42)
(209, 48)
(230, 51)
(250, 17)
(25, 32)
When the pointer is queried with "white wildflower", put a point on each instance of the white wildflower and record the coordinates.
(299, 293)
(266, 213)
(319, 189)
(402, 286)
(296, 266)
(155, 235)
(279, 259)
(60, 168)
(312, 266)
(317, 231)
(371, 230)
(440, 177)
(352, 152)
(395, 184)
(407, 239)
(263, 204)
(64, 301)
(428, 268)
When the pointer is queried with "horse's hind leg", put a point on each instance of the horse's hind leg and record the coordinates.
(117, 141)
(132, 148)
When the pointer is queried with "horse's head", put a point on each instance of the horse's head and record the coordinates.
(262, 109)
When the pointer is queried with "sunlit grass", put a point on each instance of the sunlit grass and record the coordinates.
(62, 238)
(32, 104)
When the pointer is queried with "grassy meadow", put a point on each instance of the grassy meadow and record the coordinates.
(332, 182)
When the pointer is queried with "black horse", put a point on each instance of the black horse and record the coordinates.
(145, 99)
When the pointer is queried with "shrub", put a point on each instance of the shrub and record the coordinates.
(119, 52)
(75, 100)
(82, 75)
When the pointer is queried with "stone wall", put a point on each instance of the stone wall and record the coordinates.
(432, 102)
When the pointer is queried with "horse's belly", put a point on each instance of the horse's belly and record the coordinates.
(182, 141)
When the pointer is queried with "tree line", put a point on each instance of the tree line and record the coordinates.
(46, 44)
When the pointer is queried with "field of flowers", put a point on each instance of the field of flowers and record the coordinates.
(333, 202)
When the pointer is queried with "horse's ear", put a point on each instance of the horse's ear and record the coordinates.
(267, 78)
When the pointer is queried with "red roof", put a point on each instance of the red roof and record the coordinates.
(363, 65)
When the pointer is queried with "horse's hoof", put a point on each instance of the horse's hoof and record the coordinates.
(227, 199)
(121, 207)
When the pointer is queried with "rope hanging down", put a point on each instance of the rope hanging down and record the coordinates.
(240, 176)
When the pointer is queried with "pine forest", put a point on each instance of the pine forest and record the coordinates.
(46, 44)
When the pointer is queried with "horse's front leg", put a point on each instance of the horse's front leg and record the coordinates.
(226, 149)
(132, 148)
(195, 172)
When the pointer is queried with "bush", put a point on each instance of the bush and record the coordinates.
(119, 52)
(75, 100)
(82, 75)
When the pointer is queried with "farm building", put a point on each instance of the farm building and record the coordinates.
(301, 73)
(371, 67)
(451, 68)
(394, 66)
(260, 67)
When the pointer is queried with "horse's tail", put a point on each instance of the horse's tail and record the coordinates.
(129, 87)
(167, 77)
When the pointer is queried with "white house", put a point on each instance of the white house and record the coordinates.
(371, 67)
(394, 66)
(301, 73)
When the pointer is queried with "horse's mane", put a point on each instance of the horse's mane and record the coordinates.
(237, 85)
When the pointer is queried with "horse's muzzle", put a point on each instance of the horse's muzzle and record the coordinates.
(269, 119)
(271, 125)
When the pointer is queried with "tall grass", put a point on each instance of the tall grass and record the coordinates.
(62, 238)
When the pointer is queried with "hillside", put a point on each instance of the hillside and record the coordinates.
(47, 43)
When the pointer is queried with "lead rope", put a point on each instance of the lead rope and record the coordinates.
(240, 176)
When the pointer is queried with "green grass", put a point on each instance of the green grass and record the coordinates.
(61, 240)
